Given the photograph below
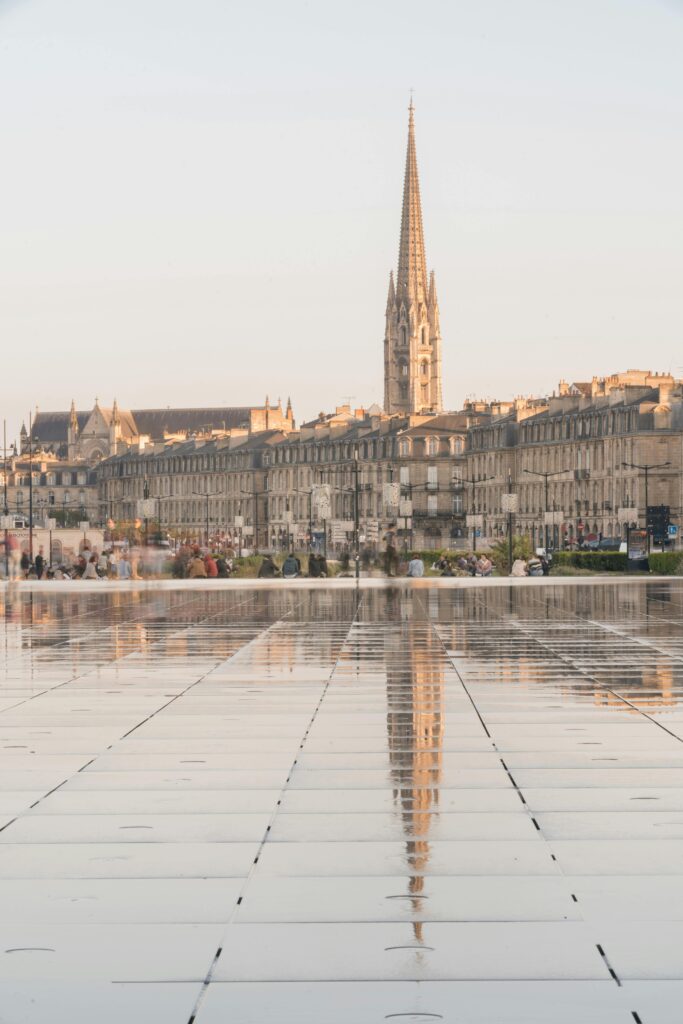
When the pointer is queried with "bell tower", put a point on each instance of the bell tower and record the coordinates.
(412, 338)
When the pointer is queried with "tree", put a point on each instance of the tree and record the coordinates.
(521, 548)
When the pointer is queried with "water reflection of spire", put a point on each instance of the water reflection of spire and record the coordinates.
(415, 728)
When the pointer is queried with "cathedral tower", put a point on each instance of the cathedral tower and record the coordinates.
(412, 339)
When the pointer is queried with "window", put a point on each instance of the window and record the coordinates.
(457, 445)
(404, 446)
(432, 477)
(51, 497)
(424, 369)
(457, 504)
(432, 503)
(405, 475)
(403, 367)
(432, 446)
(20, 497)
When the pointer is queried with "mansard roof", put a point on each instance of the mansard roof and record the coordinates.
(157, 422)
(53, 427)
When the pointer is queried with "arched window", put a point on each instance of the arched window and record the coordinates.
(425, 336)
(432, 446)
(404, 335)
(424, 369)
(403, 367)
(404, 446)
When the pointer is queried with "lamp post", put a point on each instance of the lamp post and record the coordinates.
(473, 484)
(5, 509)
(646, 469)
(356, 511)
(546, 476)
(206, 495)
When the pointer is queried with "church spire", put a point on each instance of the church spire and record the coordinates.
(411, 282)
(412, 337)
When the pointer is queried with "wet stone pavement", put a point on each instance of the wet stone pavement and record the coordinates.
(325, 806)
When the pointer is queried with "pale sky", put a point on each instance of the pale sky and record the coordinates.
(201, 201)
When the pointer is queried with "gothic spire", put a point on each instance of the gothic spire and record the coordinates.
(411, 282)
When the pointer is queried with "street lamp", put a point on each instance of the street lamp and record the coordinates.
(646, 469)
(535, 472)
(473, 484)
(204, 494)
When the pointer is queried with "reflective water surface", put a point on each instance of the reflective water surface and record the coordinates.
(324, 805)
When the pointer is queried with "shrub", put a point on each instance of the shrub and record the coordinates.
(596, 561)
(521, 548)
(667, 563)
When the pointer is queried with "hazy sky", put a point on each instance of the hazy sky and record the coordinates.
(201, 201)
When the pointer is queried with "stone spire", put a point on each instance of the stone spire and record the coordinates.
(73, 418)
(412, 339)
(411, 282)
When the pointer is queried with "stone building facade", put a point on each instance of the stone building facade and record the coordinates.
(61, 490)
(583, 450)
(262, 489)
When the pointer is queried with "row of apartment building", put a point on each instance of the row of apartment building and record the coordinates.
(575, 463)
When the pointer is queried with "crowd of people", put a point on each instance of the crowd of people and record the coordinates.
(189, 561)
(89, 564)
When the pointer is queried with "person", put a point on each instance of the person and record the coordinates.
(267, 569)
(40, 564)
(545, 564)
(484, 566)
(390, 557)
(322, 565)
(197, 568)
(446, 567)
(472, 565)
(461, 564)
(313, 566)
(416, 567)
(222, 567)
(291, 567)
(519, 568)
(25, 564)
(345, 560)
(90, 571)
(211, 567)
(123, 567)
(534, 566)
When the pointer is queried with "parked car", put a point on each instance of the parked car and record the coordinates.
(609, 544)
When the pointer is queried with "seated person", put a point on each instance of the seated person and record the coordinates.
(313, 565)
(267, 568)
(291, 567)
(484, 566)
(519, 568)
(416, 567)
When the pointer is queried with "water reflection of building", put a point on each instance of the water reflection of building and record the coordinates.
(415, 729)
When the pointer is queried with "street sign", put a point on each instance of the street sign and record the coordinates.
(637, 545)
(239, 522)
(510, 502)
(406, 507)
(672, 530)
(392, 494)
(85, 525)
(553, 518)
(475, 521)
(320, 501)
(51, 524)
(147, 508)
(6, 522)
